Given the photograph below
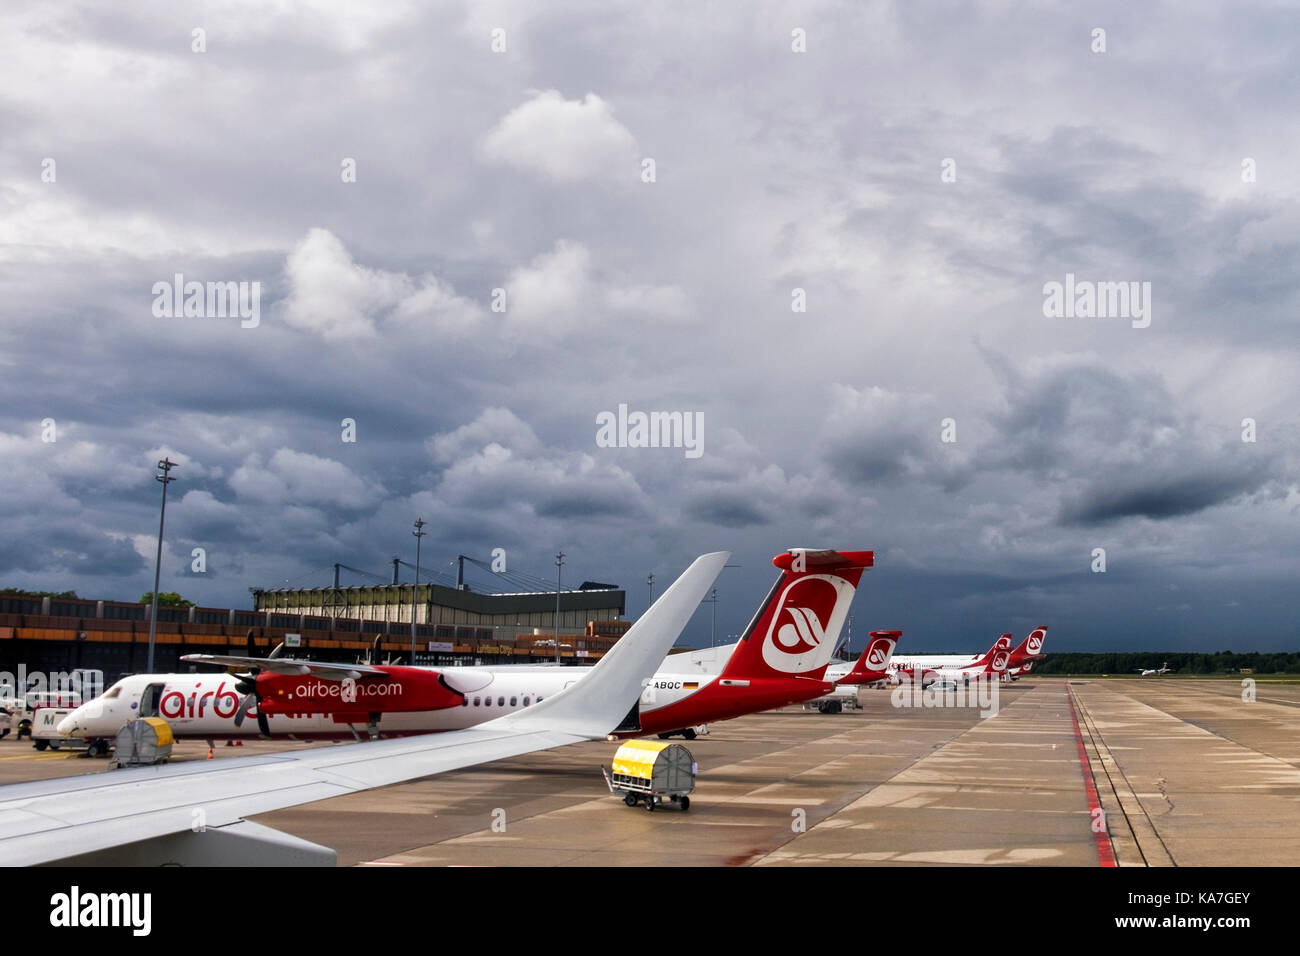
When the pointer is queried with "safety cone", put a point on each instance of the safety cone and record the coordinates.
(209, 753)
(239, 743)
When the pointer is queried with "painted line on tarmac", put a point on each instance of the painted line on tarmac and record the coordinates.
(1105, 852)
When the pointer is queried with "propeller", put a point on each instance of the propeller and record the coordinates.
(247, 685)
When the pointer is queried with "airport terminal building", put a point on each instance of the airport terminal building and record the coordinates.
(453, 626)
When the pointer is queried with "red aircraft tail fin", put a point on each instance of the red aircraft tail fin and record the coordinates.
(873, 665)
(798, 624)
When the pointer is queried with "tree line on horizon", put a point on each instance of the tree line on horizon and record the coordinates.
(165, 598)
(1178, 662)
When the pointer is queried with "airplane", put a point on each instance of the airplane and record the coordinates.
(1031, 646)
(194, 814)
(1023, 657)
(1156, 671)
(989, 666)
(781, 659)
(871, 667)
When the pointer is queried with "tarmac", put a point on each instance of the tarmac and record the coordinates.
(1127, 772)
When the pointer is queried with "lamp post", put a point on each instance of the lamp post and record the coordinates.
(166, 465)
(559, 568)
(650, 584)
(419, 533)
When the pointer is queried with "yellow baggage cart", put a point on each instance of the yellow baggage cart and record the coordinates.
(653, 771)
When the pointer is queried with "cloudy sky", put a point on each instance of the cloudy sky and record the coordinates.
(477, 226)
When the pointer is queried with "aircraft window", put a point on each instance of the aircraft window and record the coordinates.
(525, 701)
(465, 702)
(487, 701)
(114, 693)
(501, 701)
(514, 701)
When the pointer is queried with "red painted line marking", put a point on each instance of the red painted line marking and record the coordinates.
(1105, 852)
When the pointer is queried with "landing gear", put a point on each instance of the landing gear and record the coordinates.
(687, 732)
(830, 707)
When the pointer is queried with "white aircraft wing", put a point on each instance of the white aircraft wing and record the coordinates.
(287, 665)
(195, 813)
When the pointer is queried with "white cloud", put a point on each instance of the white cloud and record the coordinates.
(332, 295)
(560, 291)
(299, 478)
(498, 426)
(665, 303)
(497, 463)
(563, 140)
(552, 290)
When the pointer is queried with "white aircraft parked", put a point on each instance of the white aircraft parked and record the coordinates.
(1157, 671)
(871, 667)
(990, 665)
(194, 813)
(784, 662)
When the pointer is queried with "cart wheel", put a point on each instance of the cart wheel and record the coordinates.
(650, 804)
(41, 744)
(686, 803)
(630, 799)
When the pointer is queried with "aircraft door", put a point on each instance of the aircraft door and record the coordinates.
(149, 700)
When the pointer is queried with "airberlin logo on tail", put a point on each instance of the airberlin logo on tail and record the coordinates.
(879, 653)
(1000, 661)
(807, 609)
(1035, 642)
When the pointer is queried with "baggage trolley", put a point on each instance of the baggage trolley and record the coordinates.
(652, 771)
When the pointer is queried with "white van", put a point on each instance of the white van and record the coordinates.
(28, 707)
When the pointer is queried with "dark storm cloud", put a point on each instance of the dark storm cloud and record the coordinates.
(62, 549)
(580, 506)
(727, 511)
(1124, 496)
(1121, 445)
